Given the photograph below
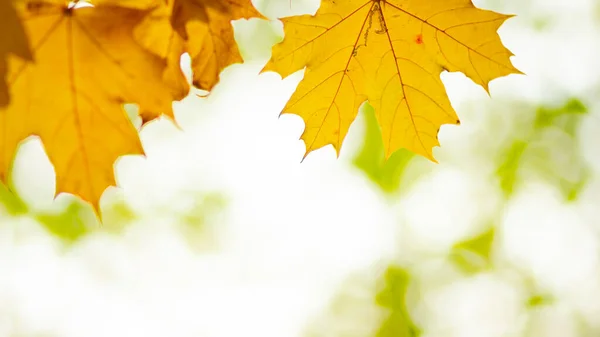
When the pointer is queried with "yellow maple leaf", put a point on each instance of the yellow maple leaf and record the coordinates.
(203, 29)
(87, 64)
(14, 41)
(391, 53)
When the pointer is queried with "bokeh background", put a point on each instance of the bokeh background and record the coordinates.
(221, 231)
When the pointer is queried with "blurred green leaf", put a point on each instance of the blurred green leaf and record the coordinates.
(566, 117)
(117, 214)
(548, 149)
(393, 297)
(203, 206)
(196, 221)
(538, 300)
(12, 203)
(571, 190)
(473, 255)
(371, 159)
(509, 166)
(69, 224)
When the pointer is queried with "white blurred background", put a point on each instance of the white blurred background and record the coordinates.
(221, 231)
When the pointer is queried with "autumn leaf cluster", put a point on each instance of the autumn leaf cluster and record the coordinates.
(68, 68)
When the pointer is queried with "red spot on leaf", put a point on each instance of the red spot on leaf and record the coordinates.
(419, 39)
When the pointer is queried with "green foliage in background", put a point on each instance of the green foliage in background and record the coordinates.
(547, 148)
(474, 255)
(371, 159)
(527, 152)
(542, 144)
(393, 298)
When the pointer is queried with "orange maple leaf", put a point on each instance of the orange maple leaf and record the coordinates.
(391, 53)
(203, 29)
(87, 65)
